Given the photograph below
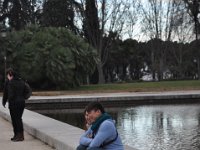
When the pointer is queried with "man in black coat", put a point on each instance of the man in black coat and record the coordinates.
(14, 95)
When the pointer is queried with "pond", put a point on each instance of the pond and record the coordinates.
(150, 127)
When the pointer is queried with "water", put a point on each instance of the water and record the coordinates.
(156, 127)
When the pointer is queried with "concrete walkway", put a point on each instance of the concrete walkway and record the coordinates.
(29, 143)
(58, 135)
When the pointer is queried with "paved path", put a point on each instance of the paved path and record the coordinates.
(29, 142)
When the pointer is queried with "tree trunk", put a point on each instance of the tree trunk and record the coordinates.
(198, 68)
(160, 73)
(153, 66)
(101, 75)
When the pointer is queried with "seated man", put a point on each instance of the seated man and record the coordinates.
(102, 134)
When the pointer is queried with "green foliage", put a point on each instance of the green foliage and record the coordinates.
(51, 57)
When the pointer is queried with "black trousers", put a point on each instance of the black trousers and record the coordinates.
(16, 113)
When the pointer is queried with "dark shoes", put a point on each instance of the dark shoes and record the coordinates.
(18, 137)
(13, 138)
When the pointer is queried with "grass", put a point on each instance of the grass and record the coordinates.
(129, 87)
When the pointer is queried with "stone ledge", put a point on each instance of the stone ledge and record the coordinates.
(55, 133)
(112, 99)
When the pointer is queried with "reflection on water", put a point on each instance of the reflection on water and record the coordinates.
(157, 127)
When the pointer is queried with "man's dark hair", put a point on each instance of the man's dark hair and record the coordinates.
(10, 71)
(94, 106)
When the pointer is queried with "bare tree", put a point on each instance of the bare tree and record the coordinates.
(102, 17)
(159, 22)
(182, 30)
(193, 7)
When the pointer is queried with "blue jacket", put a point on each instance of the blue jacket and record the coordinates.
(106, 132)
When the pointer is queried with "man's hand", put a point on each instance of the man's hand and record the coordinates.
(89, 135)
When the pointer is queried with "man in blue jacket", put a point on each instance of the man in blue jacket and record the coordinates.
(102, 134)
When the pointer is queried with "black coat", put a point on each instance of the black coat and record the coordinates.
(14, 92)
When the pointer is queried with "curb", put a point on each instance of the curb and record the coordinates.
(57, 134)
